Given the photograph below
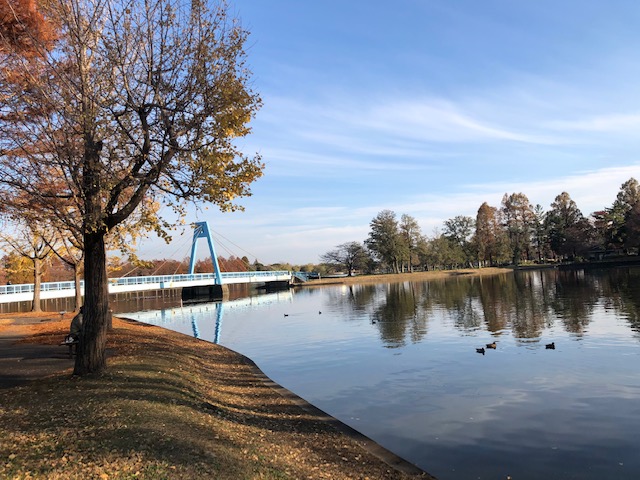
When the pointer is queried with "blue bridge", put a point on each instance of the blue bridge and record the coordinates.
(218, 279)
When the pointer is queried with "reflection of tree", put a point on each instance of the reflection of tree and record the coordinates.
(353, 298)
(529, 314)
(532, 300)
(526, 302)
(496, 310)
(360, 296)
(501, 302)
(621, 292)
(456, 297)
(398, 315)
(576, 295)
(393, 308)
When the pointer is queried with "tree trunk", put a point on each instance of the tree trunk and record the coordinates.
(37, 278)
(91, 350)
(76, 280)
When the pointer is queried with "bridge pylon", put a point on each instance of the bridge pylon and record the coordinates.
(201, 230)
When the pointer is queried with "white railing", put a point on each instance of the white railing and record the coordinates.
(23, 292)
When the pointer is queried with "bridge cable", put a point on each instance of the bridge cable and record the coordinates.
(235, 245)
(246, 265)
(179, 247)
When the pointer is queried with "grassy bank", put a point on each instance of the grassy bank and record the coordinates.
(170, 406)
(405, 277)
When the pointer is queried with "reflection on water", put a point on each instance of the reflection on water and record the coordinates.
(398, 363)
(186, 318)
(127, 302)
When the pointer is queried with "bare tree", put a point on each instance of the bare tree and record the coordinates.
(351, 255)
(69, 249)
(31, 242)
(139, 104)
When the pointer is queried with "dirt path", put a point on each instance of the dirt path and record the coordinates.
(22, 362)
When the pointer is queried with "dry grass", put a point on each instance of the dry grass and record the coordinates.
(170, 406)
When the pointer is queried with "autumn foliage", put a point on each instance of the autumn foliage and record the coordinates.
(136, 105)
(23, 28)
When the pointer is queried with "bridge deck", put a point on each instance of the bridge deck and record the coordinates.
(24, 292)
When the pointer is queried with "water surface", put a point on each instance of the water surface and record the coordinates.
(398, 362)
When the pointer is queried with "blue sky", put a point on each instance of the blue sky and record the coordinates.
(427, 107)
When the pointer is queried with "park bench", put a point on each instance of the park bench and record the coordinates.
(71, 342)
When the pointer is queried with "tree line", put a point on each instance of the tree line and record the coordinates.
(513, 233)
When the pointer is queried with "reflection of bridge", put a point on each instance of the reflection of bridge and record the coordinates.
(217, 279)
(187, 319)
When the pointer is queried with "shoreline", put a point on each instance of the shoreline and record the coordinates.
(406, 277)
(470, 272)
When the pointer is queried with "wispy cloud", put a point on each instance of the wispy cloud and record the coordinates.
(625, 124)
(443, 121)
(281, 161)
(591, 190)
(397, 126)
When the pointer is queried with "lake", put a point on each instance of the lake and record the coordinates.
(398, 362)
